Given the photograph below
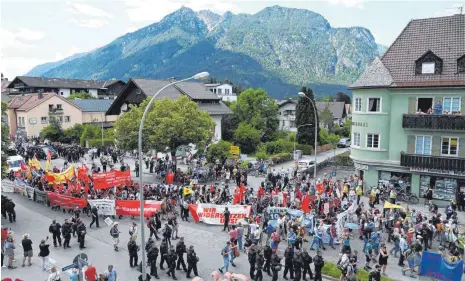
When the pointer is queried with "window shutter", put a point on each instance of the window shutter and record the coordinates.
(462, 148)
(410, 144)
(412, 105)
(436, 147)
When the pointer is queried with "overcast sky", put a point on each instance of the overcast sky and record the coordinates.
(39, 31)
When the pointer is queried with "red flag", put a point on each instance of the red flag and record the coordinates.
(298, 194)
(23, 166)
(305, 204)
(237, 196)
(320, 188)
(242, 191)
(84, 168)
(86, 188)
(62, 186)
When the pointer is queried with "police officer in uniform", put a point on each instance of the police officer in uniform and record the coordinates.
(54, 229)
(318, 262)
(81, 233)
(180, 250)
(152, 259)
(94, 212)
(192, 261)
(275, 266)
(306, 261)
(297, 265)
(172, 262)
(66, 232)
(259, 265)
(288, 261)
(164, 253)
(267, 253)
(132, 249)
(252, 259)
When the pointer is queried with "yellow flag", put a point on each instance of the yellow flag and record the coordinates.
(47, 165)
(34, 163)
(388, 205)
(61, 177)
(188, 191)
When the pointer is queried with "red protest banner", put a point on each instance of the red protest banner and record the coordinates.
(66, 202)
(132, 207)
(110, 179)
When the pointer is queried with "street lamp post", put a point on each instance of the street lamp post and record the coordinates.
(141, 185)
(297, 133)
(303, 95)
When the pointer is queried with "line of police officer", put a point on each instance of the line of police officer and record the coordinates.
(296, 263)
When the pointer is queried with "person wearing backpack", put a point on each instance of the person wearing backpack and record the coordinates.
(276, 265)
(114, 233)
(368, 250)
(375, 275)
(163, 253)
(167, 233)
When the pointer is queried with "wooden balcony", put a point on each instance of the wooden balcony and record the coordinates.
(434, 122)
(436, 164)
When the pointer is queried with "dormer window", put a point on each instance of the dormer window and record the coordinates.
(427, 68)
(461, 64)
(429, 63)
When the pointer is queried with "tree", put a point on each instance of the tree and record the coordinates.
(247, 137)
(327, 118)
(219, 151)
(256, 108)
(81, 96)
(53, 131)
(229, 125)
(169, 124)
(305, 115)
(73, 134)
(5, 141)
(340, 96)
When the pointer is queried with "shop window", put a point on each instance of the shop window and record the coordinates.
(449, 146)
(372, 141)
(451, 105)
(374, 105)
(423, 145)
(443, 188)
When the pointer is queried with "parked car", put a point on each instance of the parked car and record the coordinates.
(343, 143)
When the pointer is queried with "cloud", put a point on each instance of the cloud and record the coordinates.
(149, 10)
(15, 66)
(454, 9)
(89, 23)
(131, 29)
(348, 3)
(11, 39)
(72, 51)
(88, 10)
(29, 34)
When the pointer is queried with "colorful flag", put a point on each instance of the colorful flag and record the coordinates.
(49, 161)
(306, 204)
(260, 191)
(187, 191)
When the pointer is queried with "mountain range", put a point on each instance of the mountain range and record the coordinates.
(278, 49)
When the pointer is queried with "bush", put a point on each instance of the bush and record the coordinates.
(244, 164)
(330, 269)
(247, 138)
(261, 155)
(281, 146)
(218, 151)
(344, 160)
(306, 149)
(98, 142)
(281, 157)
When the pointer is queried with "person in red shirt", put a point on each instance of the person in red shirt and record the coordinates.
(91, 273)
(4, 235)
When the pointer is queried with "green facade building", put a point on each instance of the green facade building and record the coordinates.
(409, 111)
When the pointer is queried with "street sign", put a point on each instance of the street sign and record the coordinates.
(83, 262)
(81, 256)
(234, 150)
(68, 267)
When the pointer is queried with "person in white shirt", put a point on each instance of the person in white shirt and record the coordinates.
(54, 275)
(133, 231)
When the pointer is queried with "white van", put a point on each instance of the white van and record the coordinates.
(14, 163)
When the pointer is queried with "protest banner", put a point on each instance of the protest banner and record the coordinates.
(41, 196)
(7, 188)
(66, 202)
(213, 214)
(105, 207)
(19, 187)
(60, 177)
(273, 214)
(434, 265)
(29, 192)
(132, 207)
(110, 179)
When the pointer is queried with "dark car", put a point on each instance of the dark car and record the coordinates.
(343, 143)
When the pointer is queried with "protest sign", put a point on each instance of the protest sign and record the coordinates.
(273, 214)
(132, 207)
(41, 196)
(213, 214)
(110, 179)
(66, 202)
(105, 207)
(434, 265)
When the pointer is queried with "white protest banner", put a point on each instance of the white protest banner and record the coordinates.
(213, 214)
(105, 207)
(19, 187)
(7, 188)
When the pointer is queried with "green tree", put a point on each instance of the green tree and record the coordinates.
(256, 108)
(340, 96)
(247, 138)
(169, 124)
(81, 96)
(219, 151)
(73, 134)
(53, 131)
(5, 141)
(305, 115)
(327, 118)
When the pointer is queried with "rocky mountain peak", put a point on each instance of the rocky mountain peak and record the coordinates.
(209, 18)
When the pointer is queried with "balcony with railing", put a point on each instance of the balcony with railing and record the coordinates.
(435, 164)
(434, 122)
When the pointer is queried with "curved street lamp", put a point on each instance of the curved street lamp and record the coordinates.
(303, 95)
(141, 184)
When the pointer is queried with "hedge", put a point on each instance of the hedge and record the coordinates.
(280, 146)
(344, 160)
(330, 269)
(98, 142)
(281, 157)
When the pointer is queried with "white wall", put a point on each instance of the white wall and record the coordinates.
(285, 121)
(223, 89)
(229, 98)
(66, 92)
(93, 92)
(217, 119)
